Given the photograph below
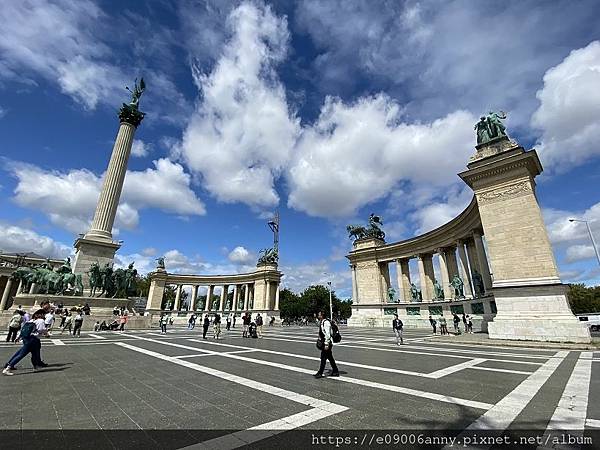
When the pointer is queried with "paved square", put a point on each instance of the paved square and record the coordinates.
(178, 390)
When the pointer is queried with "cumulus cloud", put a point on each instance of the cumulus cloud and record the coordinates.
(437, 213)
(580, 253)
(15, 239)
(139, 148)
(569, 110)
(240, 255)
(356, 153)
(241, 133)
(69, 198)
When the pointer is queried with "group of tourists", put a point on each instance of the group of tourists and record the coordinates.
(467, 321)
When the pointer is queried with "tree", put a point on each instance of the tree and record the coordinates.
(584, 299)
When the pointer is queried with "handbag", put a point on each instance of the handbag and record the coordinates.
(320, 344)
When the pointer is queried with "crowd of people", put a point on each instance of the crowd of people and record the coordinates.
(467, 321)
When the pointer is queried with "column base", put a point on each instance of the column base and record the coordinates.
(536, 313)
(90, 250)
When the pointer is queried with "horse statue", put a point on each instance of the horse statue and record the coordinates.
(71, 282)
(95, 278)
(356, 232)
(120, 283)
(268, 256)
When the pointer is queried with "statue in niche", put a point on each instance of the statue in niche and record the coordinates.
(415, 293)
(458, 285)
(478, 284)
(438, 290)
(391, 292)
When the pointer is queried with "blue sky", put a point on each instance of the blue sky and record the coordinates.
(323, 110)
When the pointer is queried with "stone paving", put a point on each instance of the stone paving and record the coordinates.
(141, 389)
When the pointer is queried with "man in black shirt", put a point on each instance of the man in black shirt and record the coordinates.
(397, 327)
(205, 326)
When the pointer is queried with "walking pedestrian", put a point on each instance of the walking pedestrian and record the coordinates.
(14, 325)
(443, 326)
(397, 326)
(464, 320)
(123, 321)
(433, 324)
(163, 323)
(470, 324)
(246, 327)
(68, 324)
(49, 321)
(456, 321)
(325, 344)
(217, 326)
(228, 323)
(77, 324)
(205, 326)
(233, 322)
(63, 316)
(192, 322)
(259, 325)
(31, 344)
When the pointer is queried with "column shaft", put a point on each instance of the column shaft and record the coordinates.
(403, 270)
(246, 297)
(483, 262)
(209, 296)
(276, 308)
(464, 269)
(177, 305)
(5, 294)
(267, 304)
(429, 277)
(445, 274)
(354, 285)
(194, 297)
(223, 299)
(234, 302)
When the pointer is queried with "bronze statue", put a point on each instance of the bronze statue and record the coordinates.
(438, 290)
(268, 256)
(458, 285)
(478, 284)
(129, 112)
(415, 293)
(357, 232)
(490, 127)
(391, 292)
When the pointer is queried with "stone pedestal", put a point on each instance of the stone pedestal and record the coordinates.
(530, 297)
(90, 250)
(368, 274)
(156, 291)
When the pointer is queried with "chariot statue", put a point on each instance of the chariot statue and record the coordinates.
(268, 256)
(374, 230)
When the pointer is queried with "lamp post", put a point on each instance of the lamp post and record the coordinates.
(330, 298)
(591, 236)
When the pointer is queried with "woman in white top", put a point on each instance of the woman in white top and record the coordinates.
(31, 344)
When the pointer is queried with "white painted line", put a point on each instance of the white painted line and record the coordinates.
(210, 354)
(402, 390)
(503, 413)
(57, 342)
(592, 423)
(96, 336)
(571, 411)
(320, 408)
(493, 369)
(435, 375)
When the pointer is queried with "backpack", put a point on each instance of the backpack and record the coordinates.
(335, 333)
(15, 321)
(27, 329)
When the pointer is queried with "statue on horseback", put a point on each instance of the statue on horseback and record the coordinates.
(374, 230)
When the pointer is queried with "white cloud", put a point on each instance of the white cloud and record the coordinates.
(580, 253)
(17, 239)
(149, 251)
(437, 213)
(569, 110)
(355, 154)
(241, 134)
(69, 199)
(139, 148)
(240, 255)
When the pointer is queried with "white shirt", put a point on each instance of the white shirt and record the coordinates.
(326, 329)
(40, 327)
(49, 318)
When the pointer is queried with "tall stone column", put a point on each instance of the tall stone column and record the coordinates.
(442, 258)
(464, 269)
(426, 275)
(530, 299)
(384, 277)
(5, 294)
(97, 244)
(194, 297)
(354, 285)
(268, 296)
(209, 296)
(403, 273)
(223, 299)
(246, 297)
(483, 262)
(276, 308)
(234, 301)
(177, 305)
(451, 262)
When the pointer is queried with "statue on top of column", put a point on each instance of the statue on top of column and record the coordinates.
(357, 232)
(490, 127)
(268, 256)
(130, 112)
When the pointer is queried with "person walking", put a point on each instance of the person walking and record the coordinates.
(205, 326)
(31, 343)
(63, 317)
(233, 322)
(397, 326)
(433, 324)
(470, 324)
(192, 322)
(77, 324)
(68, 324)
(259, 325)
(14, 325)
(246, 323)
(228, 323)
(325, 344)
(443, 326)
(163, 321)
(456, 321)
(464, 320)
(49, 321)
(123, 321)
(217, 326)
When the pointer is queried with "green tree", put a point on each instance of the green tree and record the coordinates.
(584, 299)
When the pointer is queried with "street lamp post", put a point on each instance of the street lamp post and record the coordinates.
(591, 237)
(330, 302)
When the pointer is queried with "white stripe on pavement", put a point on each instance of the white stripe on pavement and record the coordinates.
(57, 342)
(96, 336)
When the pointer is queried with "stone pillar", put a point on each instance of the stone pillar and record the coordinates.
(246, 297)
(33, 288)
(223, 299)
(234, 301)
(354, 286)
(5, 294)
(483, 262)
(429, 291)
(268, 296)
(530, 299)
(445, 274)
(464, 269)
(209, 296)
(403, 272)
(158, 281)
(194, 298)
(20, 287)
(177, 305)
(384, 277)
(276, 308)
(451, 263)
